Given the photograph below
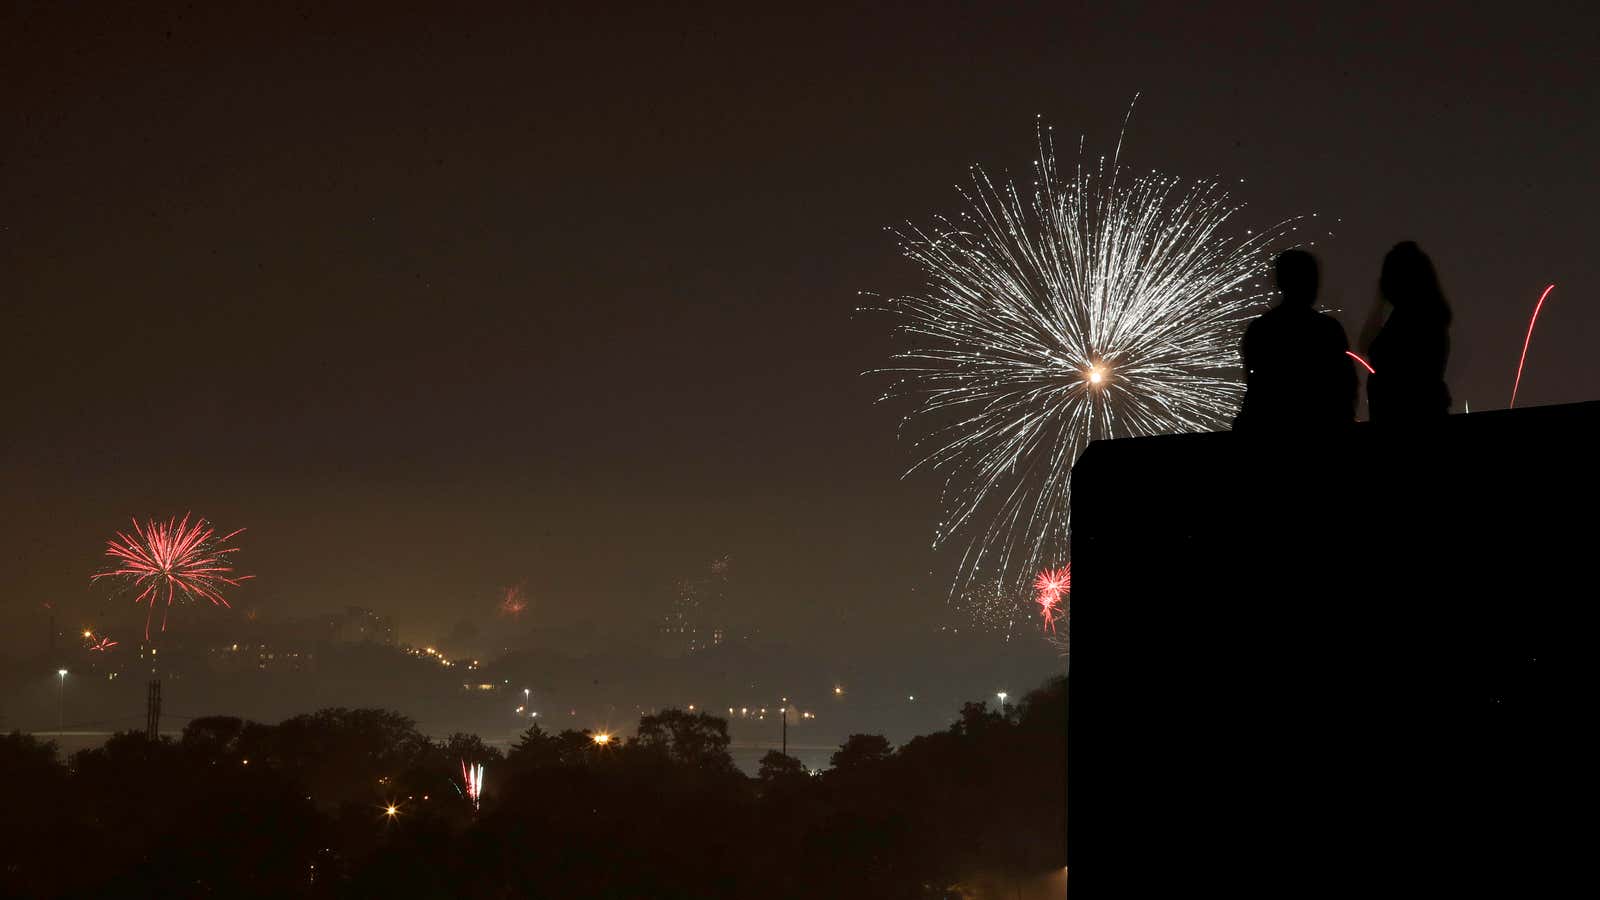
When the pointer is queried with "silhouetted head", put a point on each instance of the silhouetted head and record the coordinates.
(1409, 281)
(1297, 277)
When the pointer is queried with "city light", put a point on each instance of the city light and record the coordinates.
(838, 691)
(602, 739)
(391, 810)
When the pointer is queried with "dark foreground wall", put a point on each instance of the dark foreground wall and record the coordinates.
(1364, 663)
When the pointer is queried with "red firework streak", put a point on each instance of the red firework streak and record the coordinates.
(1364, 364)
(104, 645)
(179, 559)
(1049, 588)
(1525, 341)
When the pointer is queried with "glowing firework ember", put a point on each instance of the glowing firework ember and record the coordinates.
(1090, 305)
(174, 558)
(513, 602)
(103, 644)
(991, 607)
(472, 777)
(1050, 587)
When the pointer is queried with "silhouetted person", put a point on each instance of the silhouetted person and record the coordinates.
(1408, 354)
(1297, 374)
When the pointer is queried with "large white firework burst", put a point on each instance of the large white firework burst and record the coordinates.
(1084, 305)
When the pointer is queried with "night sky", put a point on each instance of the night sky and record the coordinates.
(435, 302)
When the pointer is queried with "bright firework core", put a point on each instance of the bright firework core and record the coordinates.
(1096, 374)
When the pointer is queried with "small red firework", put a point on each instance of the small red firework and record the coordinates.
(1049, 588)
(103, 645)
(513, 603)
(175, 558)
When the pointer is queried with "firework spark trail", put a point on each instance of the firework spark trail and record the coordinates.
(1526, 341)
(1087, 307)
(103, 644)
(1364, 364)
(175, 557)
(472, 778)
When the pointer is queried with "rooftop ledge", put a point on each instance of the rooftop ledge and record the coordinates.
(1336, 663)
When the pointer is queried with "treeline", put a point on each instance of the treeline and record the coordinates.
(358, 803)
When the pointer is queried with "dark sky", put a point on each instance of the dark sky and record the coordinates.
(439, 300)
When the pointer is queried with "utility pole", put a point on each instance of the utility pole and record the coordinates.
(152, 710)
(784, 731)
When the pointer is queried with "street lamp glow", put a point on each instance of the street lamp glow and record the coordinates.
(602, 739)
(61, 700)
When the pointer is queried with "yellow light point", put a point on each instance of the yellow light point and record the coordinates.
(391, 810)
(1097, 374)
(602, 739)
(837, 691)
(88, 633)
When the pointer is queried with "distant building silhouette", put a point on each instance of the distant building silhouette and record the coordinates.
(357, 624)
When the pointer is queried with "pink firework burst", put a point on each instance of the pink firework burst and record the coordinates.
(1050, 587)
(173, 558)
(103, 644)
(513, 602)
